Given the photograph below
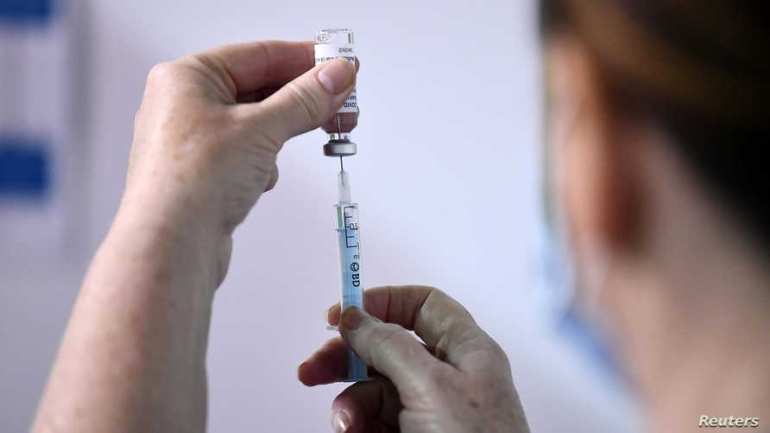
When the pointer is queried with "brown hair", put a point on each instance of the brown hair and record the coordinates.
(700, 69)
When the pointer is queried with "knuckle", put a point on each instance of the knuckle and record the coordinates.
(497, 351)
(479, 339)
(490, 353)
(385, 342)
(215, 68)
(273, 179)
(388, 334)
(161, 72)
(386, 338)
(465, 336)
(207, 61)
(441, 384)
(438, 374)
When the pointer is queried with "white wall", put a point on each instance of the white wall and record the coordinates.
(446, 178)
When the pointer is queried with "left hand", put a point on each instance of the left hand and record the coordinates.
(458, 381)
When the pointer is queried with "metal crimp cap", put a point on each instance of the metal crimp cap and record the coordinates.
(340, 148)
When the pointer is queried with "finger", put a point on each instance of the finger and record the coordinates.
(390, 349)
(306, 102)
(273, 179)
(256, 95)
(251, 66)
(367, 406)
(407, 306)
(327, 365)
(440, 321)
(263, 93)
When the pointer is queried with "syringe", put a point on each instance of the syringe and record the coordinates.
(350, 264)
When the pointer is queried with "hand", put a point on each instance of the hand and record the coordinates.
(458, 381)
(210, 127)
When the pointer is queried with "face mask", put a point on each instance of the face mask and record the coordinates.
(575, 320)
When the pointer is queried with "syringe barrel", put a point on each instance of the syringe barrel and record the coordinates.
(350, 254)
(350, 274)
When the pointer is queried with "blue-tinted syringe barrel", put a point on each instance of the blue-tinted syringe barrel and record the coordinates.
(350, 267)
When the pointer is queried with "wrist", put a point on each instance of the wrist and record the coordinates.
(159, 233)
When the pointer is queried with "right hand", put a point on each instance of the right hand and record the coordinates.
(458, 381)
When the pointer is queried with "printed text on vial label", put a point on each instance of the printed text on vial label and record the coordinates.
(326, 52)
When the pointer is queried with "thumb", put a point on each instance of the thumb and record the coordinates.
(308, 101)
(389, 348)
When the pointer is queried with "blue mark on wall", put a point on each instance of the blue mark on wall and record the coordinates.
(26, 11)
(25, 163)
(25, 169)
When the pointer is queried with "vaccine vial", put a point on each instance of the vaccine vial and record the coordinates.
(331, 44)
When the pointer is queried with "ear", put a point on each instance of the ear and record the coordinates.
(592, 146)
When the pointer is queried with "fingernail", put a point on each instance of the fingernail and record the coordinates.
(352, 318)
(340, 422)
(337, 75)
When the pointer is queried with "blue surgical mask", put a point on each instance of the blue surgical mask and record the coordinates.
(560, 285)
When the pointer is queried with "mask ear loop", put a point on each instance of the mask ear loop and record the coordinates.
(596, 266)
(582, 295)
(560, 267)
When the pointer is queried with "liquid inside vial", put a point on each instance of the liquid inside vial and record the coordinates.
(332, 44)
(340, 125)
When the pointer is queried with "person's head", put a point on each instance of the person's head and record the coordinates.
(657, 122)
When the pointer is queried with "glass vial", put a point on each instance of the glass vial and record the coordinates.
(331, 44)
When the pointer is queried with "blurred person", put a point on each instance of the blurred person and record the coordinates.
(657, 114)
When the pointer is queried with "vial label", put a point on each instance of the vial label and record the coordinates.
(325, 52)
